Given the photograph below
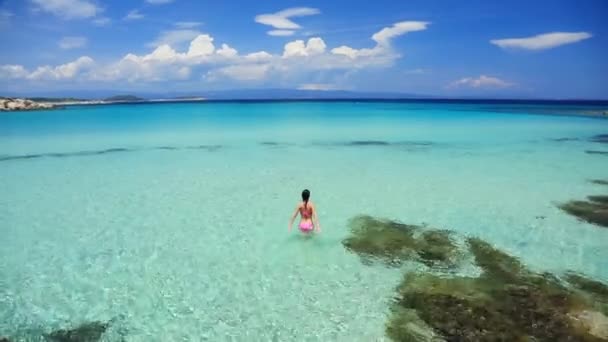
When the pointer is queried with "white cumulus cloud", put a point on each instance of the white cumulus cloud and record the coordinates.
(482, 81)
(133, 15)
(69, 9)
(314, 46)
(542, 41)
(72, 42)
(298, 62)
(65, 71)
(226, 51)
(13, 71)
(382, 53)
(260, 56)
(281, 20)
(386, 34)
(252, 72)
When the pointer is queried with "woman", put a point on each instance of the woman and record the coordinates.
(309, 220)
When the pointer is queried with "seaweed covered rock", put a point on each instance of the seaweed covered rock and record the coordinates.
(595, 291)
(393, 243)
(593, 211)
(495, 264)
(588, 285)
(88, 332)
(528, 307)
(506, 302)
(596, 323)
(407, 326)
(436, 248)
(598, 199)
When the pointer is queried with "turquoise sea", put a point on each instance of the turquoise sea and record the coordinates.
(169, 220)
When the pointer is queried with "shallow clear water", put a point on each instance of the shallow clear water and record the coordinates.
(170, 220)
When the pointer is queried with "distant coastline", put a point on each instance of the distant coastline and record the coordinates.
(589, 108)
(10, 104)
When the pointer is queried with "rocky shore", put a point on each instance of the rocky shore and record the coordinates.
(8, 104)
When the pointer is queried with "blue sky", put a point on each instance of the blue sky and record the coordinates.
(541, 48)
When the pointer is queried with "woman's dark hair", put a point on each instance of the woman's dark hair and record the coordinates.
(305, 196)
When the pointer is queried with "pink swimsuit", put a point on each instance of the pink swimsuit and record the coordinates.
(306, 226)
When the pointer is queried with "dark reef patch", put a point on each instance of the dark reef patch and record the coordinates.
(597, 152)
(367, 143)
(388, 241)
(436, 248)
(495, 263)
(393, 243)
(88, 332)
(564, 139)
(600, 138)
(387, 143)
(598, 199)
(24, 156)
(210, 148)
(507, 302)
(100, 152)
(588, 285)
(65, 154)
(599, 181)
(593, 211)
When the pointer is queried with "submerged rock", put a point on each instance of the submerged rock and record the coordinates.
(598, 199)
(436, 248)
(393, 243)
(495, 263)
(596, 292)
(593, 211)
(389, 241)
(507, 302)
(407, 326)
(596, 323)
(88, 332)
(600, 138)
(367, 143)
(599, 181)
(597, 152)
(4, 339)
(588, 285)
(564, 139)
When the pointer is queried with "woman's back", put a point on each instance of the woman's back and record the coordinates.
(306, 210)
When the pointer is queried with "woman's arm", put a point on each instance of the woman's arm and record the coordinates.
(293, 217)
